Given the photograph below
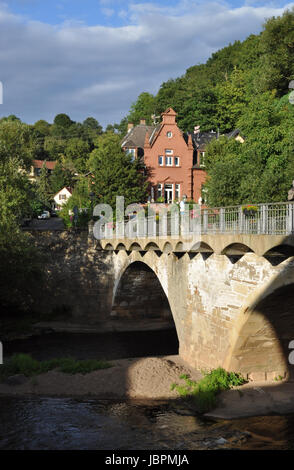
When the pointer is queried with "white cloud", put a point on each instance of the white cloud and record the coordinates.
(99, 70)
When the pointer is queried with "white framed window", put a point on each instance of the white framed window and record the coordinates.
(131, 153)
(168, 193)
(169, 161)
(169, 134)
(160, 160)
(169, 152)
(159, 190)
(177, 191)
(202, 159)
(177, 161)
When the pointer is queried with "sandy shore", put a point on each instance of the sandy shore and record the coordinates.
(142, 378)
(151, 378)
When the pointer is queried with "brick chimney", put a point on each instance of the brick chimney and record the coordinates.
(130, 126)
(143, 122)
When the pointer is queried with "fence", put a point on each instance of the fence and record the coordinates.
(268, 219)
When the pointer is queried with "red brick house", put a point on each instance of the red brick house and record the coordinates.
(175, 161)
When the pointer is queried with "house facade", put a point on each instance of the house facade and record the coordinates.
(174, 161)
(168, 158)
(37, 166)
(62, 197)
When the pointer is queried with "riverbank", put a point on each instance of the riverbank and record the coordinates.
(135, 378)
(151, 378)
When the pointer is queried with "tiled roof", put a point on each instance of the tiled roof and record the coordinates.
(203, 138)
(136, 136)
(40, 163)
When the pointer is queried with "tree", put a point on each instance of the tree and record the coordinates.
(115, 174)
(92, 123)
(62, 120)
(231, 100)
(43, 187)
(61, 177)
(16, 143)
(143, 108)
(277, 43)
(77, 151)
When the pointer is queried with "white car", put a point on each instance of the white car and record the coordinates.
(44, 215)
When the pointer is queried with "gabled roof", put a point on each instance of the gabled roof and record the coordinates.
(40, 163)
(65, 187)
(234, 134)
(136, 136)
(201, 139)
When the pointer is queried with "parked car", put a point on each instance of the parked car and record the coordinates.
(53, 213)
(44, 215)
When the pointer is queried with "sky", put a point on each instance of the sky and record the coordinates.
(94, 57)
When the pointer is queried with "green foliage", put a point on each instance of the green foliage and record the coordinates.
(203, 394)
(43, 189)
(114, 173)
(143, 108)
(16, 143)
(80, 198)
(61, 177)
(26, 365)
(62, 120)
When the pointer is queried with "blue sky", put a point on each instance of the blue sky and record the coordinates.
(94, 57)
(103, 12)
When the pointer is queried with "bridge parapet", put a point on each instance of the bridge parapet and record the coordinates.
(232, 230)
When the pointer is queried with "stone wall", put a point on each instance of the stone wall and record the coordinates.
(79, 277)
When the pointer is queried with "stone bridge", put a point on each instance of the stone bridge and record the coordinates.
(230, 295)
(228, 289)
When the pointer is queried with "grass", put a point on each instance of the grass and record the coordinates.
(26, 365)
(203, 394)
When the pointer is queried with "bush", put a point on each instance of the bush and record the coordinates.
(204, 393)
(25, 364)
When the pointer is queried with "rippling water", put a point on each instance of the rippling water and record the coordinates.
(69, 423)
(63, 423)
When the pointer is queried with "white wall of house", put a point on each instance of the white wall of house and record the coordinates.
(62, 197)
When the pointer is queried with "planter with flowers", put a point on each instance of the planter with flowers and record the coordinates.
(249, 210)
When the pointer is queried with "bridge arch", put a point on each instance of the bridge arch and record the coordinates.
(264, 329)
(157, 286)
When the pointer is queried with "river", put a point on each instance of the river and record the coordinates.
(70, 423)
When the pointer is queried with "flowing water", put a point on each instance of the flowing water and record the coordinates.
(71, 423)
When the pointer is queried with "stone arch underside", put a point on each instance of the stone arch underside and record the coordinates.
(140, 296)
(262, 349)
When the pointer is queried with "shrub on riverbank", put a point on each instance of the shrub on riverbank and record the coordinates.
(26, 365)
(204, 393)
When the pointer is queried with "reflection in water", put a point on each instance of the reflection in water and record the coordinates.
(65, 423)
(62, 423)
(115, 345)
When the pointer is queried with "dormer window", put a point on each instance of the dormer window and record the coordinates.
(168, 152)
(169, 134)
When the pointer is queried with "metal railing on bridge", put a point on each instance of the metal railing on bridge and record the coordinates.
(267, 219)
